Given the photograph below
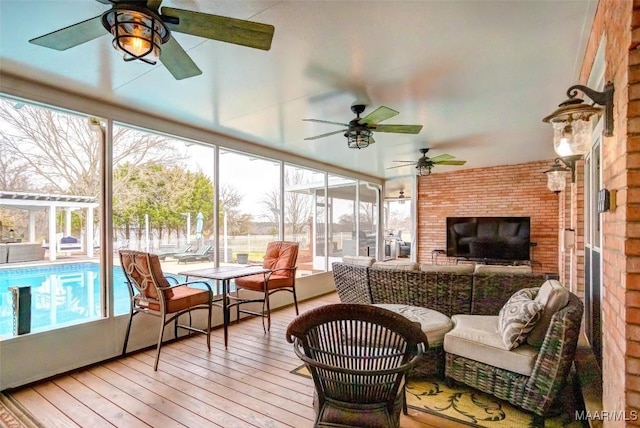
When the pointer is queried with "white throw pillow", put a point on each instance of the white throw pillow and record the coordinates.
(553, 297)
(518, 317)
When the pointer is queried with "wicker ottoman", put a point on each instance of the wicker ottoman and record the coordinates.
(435, 325)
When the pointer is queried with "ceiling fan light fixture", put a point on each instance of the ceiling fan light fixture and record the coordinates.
(423, 170)
(138, 34)
(358, 138)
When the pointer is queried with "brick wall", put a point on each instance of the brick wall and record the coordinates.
(510, 190)
(618, 23)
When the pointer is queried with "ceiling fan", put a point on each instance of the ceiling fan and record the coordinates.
(359, 131)
(425, 163)
(143, 32)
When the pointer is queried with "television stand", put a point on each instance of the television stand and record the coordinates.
(500, 262)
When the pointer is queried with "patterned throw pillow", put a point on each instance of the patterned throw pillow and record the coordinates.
(518, 317)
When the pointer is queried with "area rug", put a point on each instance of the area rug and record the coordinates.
(474, 408)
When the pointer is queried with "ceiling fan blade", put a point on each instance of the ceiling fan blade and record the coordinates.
(378, 115)
(398, 166)
(452, 162)
(154, 4)
(72, 35)
(398, 129)
(340, 83)
(442, 157)
(326, 121)
(177, 61)
(224, 29)
(404, 161)
(326, 135)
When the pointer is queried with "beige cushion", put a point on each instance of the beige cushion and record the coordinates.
(507, 270)
(518, 317)
(475, 337)
(553, 296)
(432, 323)
(358, 260)
(467, 268)
(396, 265)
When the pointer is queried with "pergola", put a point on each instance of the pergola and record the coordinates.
(34, 202)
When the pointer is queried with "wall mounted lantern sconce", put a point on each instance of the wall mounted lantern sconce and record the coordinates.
(556, 180)
(572, 120)
(401, 197)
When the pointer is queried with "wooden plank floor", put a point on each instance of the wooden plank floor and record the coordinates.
(248, 385)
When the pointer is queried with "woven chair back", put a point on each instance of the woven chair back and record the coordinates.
(144, 272)
(356, 353)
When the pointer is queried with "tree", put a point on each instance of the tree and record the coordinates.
(62, 153)
(162, 193)
(297, 208)
(237, 223)
(13, 171)
(49, 151)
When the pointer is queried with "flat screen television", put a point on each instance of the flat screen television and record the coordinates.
(489, 238)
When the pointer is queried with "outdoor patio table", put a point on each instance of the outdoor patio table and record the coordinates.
(224, 274)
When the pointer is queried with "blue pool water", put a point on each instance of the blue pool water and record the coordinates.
(61, 294)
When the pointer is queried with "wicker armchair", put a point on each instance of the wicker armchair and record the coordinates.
(492, 290)
(358, 356)
(537, 392)
(352, 283)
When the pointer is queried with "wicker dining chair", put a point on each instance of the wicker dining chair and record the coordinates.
(152, 294)
(358, 356)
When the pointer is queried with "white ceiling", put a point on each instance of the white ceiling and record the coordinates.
(479, 75)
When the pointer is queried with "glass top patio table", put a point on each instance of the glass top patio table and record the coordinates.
(225, 274)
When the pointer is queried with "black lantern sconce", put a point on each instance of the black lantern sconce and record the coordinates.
(556, 181)
(572, 120)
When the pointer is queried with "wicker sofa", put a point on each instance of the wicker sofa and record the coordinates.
(450, 289)
(454, 290)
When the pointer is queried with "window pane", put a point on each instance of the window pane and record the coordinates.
(343, 213)
(50, 173)
(250, 202)
(304, 217)
(398, 226)
(369, 197)
(163, 194)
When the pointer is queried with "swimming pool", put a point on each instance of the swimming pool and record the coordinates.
(61, 294)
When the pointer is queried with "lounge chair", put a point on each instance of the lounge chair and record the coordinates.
(171, 253)
(195, 256)
(66, 243)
